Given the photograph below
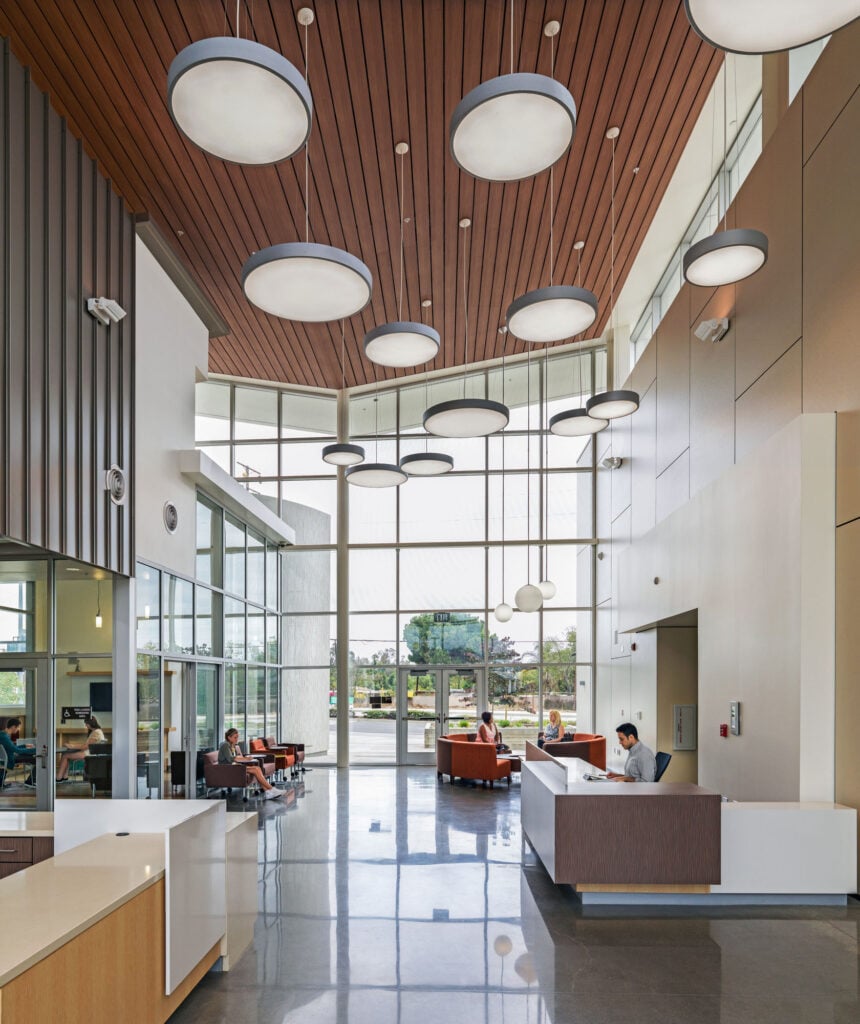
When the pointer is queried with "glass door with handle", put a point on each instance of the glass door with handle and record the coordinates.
(421, 714)
(25, 695)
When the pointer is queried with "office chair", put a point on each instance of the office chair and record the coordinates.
(662, 760)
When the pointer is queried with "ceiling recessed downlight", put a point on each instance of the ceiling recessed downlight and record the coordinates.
(766, 26)
(552, 314)
(239, 100)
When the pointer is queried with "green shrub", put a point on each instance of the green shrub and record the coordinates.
(464, 723)
(504, 724)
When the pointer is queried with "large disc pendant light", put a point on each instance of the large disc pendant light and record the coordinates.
(304, 280)
(466, 417)
(611, 405)
(725, 257)
(239, 100)
(402, 343)
(529, 597)
(376, 473)
(765, 26)
(559, 311)
(513, 126)
(343, 453)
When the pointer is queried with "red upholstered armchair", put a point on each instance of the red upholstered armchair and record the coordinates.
(284, 758)
(297, 750)
(225, 776)
(585, 745)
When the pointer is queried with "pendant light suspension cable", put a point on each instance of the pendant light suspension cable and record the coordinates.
(307, 147)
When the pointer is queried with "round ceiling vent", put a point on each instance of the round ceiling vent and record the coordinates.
(171, 517)
(115, 484)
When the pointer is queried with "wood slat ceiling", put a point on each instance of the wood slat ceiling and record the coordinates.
(380, 71)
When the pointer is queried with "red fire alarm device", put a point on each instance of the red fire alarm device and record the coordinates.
(724, 730)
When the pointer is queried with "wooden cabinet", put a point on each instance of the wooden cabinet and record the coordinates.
(19, 852)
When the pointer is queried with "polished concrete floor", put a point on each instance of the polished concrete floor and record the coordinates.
(386, 897)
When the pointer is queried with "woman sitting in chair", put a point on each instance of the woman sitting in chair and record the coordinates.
(94, 735)
(554, 729)
(488, 732)
(229, 753)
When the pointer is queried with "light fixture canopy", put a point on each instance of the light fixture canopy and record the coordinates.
(503, 612)
(512, 127)
(376, 474)
(466, 417)
(401, 343)
(307, 281)
(576, 423)
(528, 598)
(343, 454)
(725, 257)
(764, 26)
(239, 100)
(427, 464)
(552, 314)
(611, 405)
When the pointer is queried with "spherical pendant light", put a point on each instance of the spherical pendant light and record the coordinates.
(612, 404)
(427, 464)
(343, 454)
(528, 598)
(725, 257)
(512, 127)
(466, 417)
(548, 589)
(307, 281)
(576, 423)
(765, 26)
(503, 612)
(401, 344)
(376, 474)
(239, 100)
(552, 314)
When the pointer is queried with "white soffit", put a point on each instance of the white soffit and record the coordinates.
(217, 484)
(694, 172)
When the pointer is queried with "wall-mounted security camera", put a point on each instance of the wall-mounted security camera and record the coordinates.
(712, 330)
(106, 311)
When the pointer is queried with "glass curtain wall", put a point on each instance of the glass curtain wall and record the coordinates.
(426, 560)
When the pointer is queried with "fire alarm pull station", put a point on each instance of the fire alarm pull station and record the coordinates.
(724, 730)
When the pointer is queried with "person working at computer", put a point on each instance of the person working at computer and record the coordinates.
(15, 751)
(94, 735)
(641, 765)
(229, 753)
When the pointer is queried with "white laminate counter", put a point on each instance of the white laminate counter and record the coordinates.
(37, 824)
(58, 899)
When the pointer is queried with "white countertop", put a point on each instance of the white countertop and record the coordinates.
(27, 823)
(61, 897)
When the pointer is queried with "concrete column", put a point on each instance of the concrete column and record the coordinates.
(342, 608)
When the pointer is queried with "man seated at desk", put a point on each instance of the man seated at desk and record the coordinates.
(15, 751)
(641, 765)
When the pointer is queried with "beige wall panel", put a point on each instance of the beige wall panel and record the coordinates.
(643, 686)
(847, 466)
(615, 755)
(643, 465)
(712, 398)
(677, 683)
(699, 298)
(620, 542)
(673, 382)
(673, 486)
(830, 85)
(831, 268)
(603, 671)
(603, 532)
(619, 479)
(769, 313)
(645, 371)
(772, 402)
(847, 689)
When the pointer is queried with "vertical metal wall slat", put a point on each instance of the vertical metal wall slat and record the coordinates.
(55, 333)
(36, 290)
(103, 337)
(129, 341)
(4, 290)
(72, 338)
(85, 369)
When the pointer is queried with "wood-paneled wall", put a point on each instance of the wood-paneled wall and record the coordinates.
(66, 382)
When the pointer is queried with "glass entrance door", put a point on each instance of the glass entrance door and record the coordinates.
(190, 722)
(431, 702)
(25, 695)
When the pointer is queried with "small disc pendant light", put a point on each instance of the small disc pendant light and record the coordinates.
(611, 405)
(343, 453)
(466, 417)
(402, 343)
(725, 257)
(239, 100)
(559, 311)
(513, 126)
(306, 281)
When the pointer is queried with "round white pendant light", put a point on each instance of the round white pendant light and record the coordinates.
(512, 127)
(611, 405)
(528, 598)
(552, 314)
(376, 474)
(503, 612)
(427, 464)
(343, 454)
(725, 257)
(239, 100)
(766, 26)
(548, 589)
(466, 417)
(307, 281)
(576, 423)
(402, 343)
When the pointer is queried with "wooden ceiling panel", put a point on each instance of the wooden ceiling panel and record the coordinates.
(381, 71)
